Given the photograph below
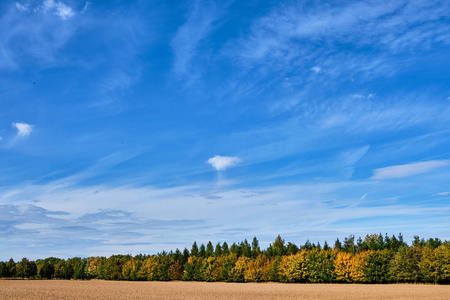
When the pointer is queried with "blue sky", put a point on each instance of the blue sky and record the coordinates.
(133, 127)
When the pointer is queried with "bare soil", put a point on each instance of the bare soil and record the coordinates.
(98, 289)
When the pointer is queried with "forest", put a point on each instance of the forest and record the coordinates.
(374, 259)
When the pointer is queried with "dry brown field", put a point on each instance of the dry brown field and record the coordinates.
(98, 289)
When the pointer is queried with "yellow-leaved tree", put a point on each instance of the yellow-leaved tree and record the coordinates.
(212, 268)
(343, 266)
(94, 262)
(442, 257)
(238, 272)
(359, 264)
(130, 269)
(427, 265)
(148, 269)
(258, 269)
(293, 268)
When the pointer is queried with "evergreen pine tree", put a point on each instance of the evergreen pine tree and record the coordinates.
(337, 244)
(209, 249)
(202, 251)
(255, 247)
(194, 249)
(185, 256)
(218, 250)
(225, 249)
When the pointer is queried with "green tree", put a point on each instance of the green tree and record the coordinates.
(185, 256)
(11, 268)
(405, 264)
(163, 263)
(225, 249)
(372, 242)
(46, 270)
(377, 269)
(64, 270)
(246, 249)
(349, 244)
(218, 250)
(279, 247)
(255, 247)
(307, 245)
(228, 264)
(209, 249)
(3, 270)
(177, 256)
(320, 265)
(192, 269)
(274, 273)
(269, 251)
(194, 249)
(202, 251)
(291, 248)
(337, 245)
(235, 250)
(26, 268)
(80, 268)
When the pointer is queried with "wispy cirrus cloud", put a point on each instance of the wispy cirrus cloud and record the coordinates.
(43, 29)
(165, 218)
(276, 35)
(46, 28)
(189, 37)
(400, 171)
(303, 43)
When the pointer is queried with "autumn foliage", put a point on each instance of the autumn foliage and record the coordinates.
(376, 259)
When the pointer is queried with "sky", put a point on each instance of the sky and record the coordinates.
(133, 127)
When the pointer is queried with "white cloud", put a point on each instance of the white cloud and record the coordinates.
(406, 170)
(21, 7)
(23, 129)
(442, 194)
(316, 69)
(159, 216)
(64, 11)
(60, 9)
(222, 162)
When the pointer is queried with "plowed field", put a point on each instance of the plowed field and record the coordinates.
(97, 289)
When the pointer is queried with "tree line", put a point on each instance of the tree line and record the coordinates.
(374, 259)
